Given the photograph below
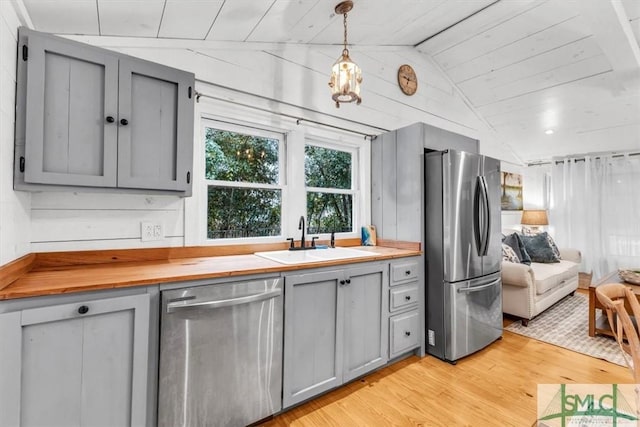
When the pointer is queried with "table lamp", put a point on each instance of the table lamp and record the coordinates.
(534, 218)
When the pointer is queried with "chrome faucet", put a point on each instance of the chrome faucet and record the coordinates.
(301, 226)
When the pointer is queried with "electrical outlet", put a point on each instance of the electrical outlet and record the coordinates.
(150, 231)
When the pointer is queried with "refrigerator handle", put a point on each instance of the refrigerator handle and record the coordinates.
(477, 233)
(487, 217)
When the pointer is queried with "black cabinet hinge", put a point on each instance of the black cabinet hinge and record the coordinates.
(25, 52)
(21, 163)
(190, 92)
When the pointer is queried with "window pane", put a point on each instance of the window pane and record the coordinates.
(327, 168)
(243, 212)
(232, 156)
(327, 212)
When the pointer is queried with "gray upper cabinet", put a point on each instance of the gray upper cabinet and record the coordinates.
(76, 364)
(89, 117)
(155, 146)
(335, 328)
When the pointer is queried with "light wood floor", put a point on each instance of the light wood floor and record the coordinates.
(494, 387)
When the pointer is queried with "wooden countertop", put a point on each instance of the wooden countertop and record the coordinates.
(63, 279)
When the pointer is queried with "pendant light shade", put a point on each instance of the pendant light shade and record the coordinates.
(346, 76)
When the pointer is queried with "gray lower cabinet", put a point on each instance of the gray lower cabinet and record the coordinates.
(90, 117)
(335, 328)
(406, 305)
(76, 364)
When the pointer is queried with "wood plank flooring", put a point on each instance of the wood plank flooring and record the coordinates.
(494, 387)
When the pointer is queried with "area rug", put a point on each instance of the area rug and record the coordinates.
(566, 324)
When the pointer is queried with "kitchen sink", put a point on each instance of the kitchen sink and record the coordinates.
(313, 255)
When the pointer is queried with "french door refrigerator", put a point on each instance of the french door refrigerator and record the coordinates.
(463, 253)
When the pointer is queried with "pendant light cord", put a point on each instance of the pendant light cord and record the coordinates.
(345, 34)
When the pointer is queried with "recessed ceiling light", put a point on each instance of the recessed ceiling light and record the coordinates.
(549, 131)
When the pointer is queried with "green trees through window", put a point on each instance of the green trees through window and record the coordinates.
(244, 173)
(328, 177)
(245, 199)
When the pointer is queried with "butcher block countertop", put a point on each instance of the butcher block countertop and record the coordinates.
(52, 274)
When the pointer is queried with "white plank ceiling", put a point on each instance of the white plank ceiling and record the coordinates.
(523, 66)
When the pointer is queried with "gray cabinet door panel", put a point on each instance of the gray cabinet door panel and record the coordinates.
(70, 93)
(364, 324)
(52, 373)
(10, 361)
(77, 369)
(108, 346)
(313, 336)
(155, 146)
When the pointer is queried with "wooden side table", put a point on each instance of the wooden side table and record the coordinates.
(600, 324)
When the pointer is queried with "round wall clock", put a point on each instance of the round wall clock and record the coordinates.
(407, 79)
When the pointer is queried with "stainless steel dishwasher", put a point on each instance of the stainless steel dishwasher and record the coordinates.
(221, 354)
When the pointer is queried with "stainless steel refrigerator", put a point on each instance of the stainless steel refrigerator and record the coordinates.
(463, 253)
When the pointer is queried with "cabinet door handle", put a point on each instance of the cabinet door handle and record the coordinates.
(348, 281)
(83, 309)
(110, 119)
(342, 282)
(124, 122)
(407, 333)
(408, 297)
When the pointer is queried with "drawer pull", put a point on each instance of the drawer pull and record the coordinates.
(408, 297)
(83, 309)
(408, 272)
(407, 333)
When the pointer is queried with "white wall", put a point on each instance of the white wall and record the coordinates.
(15, 207)
(286, 79)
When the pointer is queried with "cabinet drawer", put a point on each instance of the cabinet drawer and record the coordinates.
(403, 272)
(404, 332)
(403, 296)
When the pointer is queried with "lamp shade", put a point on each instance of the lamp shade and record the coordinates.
(534, 217)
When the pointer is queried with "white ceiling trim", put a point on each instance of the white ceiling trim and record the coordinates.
(23, 15)
(612, 30)
(159, 43)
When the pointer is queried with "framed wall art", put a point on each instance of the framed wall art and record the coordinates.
(511, 186)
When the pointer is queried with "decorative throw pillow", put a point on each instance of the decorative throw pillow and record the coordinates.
(509, 255)
(518, 247)
(539, 249)
(553, 245)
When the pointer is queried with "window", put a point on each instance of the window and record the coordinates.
(243, 171)
(330, 192)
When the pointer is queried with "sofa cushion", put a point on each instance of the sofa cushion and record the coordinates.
(517, 245)
(508, 255)
(539, 249)
(548, 276)
(553, 245)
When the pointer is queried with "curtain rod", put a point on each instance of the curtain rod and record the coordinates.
(298, 119)
(582, 159)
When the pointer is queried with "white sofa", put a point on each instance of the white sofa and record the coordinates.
(529, 290)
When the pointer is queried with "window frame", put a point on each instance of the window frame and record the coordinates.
(252, 130)
(296, 133)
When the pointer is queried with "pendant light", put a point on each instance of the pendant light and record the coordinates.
(346, 76)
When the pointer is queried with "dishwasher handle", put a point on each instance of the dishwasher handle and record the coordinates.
(177, 306)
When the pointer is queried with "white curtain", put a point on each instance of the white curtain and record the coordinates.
(595, 207)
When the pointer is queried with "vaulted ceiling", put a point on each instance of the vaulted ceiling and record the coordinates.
(523, 66)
